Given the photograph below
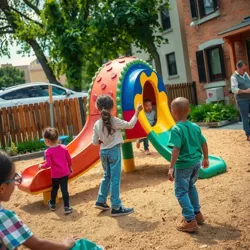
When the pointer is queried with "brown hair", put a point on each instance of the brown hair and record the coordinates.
(51, 134)
(105, 104)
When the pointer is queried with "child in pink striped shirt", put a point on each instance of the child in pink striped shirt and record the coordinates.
(59, 160)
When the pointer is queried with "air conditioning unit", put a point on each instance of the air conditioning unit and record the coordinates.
(215, 94)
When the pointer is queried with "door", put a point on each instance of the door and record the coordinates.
(248, 52)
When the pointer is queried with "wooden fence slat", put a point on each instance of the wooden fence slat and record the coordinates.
(63, 117)
(73, 116)
(2, 130)
(43, 115)
(47, 112)
(78, 115)
(33, 122)
(58, 117)
(38, 120)
(17, 124)
(68, 117)
(22, 122)
(11, 124)
(27, 121)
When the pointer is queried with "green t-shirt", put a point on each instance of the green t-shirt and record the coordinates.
(188, 138)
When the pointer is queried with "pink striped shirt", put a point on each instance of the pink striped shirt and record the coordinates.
(58, 158)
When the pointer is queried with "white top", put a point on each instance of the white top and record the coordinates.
(234, 82)
(116, 138)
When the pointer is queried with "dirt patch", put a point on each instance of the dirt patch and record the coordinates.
(225, 200)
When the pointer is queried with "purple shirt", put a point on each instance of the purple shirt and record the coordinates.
(58, 158)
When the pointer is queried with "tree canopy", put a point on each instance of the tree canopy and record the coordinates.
(10, 76)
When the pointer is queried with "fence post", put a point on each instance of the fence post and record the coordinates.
(195, 93)
(82, 110)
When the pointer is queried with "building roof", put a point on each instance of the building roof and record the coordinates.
(244, 23)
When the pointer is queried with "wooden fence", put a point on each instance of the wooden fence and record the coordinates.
(187, 90)
(27, 122)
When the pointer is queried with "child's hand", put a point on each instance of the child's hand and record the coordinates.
(71, 169)
(40, 166)
(205, 163)
(139, 108)
(171, 174)
(69, 242)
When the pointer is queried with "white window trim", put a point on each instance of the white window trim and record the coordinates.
(173, 77)
(208, 17)
(211, 43)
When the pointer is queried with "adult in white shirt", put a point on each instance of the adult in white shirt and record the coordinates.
(240, 84)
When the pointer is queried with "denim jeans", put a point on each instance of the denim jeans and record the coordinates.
(145, 143)
(63, 183)
(244, 110)
(111, 163)
(185, 190)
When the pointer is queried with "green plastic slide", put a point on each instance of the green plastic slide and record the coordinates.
(85, 244)
(160, 142)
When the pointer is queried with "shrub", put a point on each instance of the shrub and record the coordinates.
(213, 113)
(30, 146)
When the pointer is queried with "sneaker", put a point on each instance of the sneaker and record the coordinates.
(68, 210)
(102, 206)
(147, 152)
(51, 206)
(121, 211)
(189, 227)
(138, 144)
(200, 219)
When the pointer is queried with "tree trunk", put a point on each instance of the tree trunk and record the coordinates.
(153, 51)
(43, 61)
(4, 6)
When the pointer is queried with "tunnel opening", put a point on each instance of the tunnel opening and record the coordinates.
(149, 94)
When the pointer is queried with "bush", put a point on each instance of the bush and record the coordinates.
(213, 113)
(30, 146)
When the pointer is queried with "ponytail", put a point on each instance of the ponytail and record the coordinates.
(106, 118)
(105, 104)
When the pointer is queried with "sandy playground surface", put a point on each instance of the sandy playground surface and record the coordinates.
(225, 201)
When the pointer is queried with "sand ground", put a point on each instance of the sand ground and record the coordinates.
(225, 202)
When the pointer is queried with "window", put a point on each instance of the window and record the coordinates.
(206, 7)
(215, 61)
(165, 19)
(214, 58)
(171, 62)
(8, 96)
(58, 91)
(248, 50)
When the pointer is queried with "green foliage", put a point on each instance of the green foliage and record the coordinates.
(12, 150)
(213, 113)
(30, 146)
(10, 76)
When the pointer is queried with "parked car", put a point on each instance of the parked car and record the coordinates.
(30, 93)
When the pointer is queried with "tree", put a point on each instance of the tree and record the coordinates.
(20, 22)
(10, 76)
(132, 21)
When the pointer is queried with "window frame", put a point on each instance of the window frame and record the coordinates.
(248, 49)
(162, 25)
(168, 65)
(222, 63)
(199, 7)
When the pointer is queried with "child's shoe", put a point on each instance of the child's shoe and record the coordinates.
(102, 206)
(189, 227)
(199, 218)
(52, 207)
(138, 144)
(147, 152)
(68, 210)
(121, 211)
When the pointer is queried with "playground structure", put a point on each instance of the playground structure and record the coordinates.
(129, 81)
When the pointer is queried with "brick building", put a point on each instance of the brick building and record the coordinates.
(218, 35)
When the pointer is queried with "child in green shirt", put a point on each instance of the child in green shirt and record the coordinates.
(188, 144)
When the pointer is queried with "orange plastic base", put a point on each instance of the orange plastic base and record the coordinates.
(46, 198)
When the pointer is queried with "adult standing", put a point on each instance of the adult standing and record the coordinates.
(240, 84)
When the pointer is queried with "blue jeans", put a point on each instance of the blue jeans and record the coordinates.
(244, 110)
(145, 143)
(111, 163)
(185, 190)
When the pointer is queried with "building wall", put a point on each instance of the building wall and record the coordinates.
(231, 12)
(176, 43)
